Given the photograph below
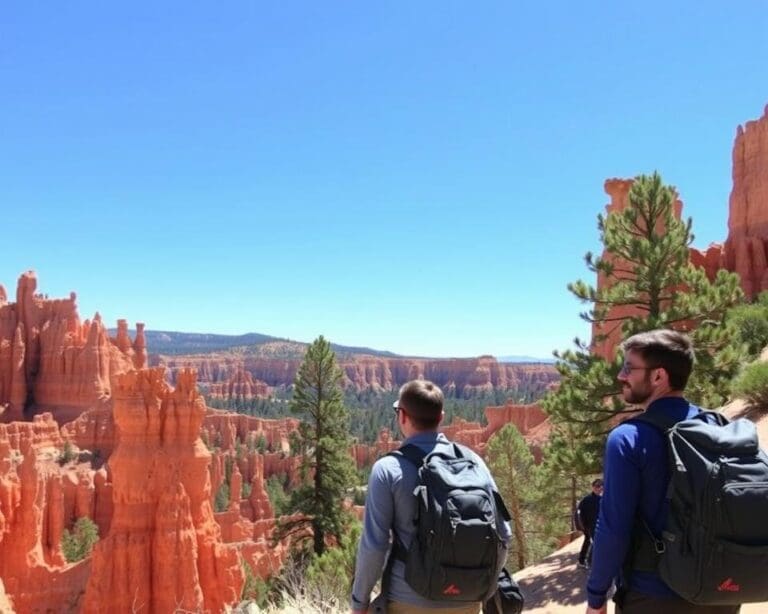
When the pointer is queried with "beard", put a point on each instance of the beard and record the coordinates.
(637, 394)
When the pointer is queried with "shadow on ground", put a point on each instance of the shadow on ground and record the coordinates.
(555, 580)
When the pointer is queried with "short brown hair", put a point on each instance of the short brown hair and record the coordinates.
(422, 400)
(665, 349)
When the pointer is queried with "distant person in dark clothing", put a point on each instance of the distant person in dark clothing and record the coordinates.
(586, 515)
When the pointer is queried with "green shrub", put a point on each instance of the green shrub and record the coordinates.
(221, 500)
(255, 589)
(332, 572)
(750, 323)
(752, 384)
(77, 544)
(68, 454)
(276, 494)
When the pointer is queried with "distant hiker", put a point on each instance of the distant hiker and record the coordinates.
(656, 368)
(586, 516)
(459, 568)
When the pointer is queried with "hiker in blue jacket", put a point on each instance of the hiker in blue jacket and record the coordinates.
(656, 368)
(390, 507)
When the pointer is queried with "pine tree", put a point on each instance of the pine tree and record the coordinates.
(324, 443)
(529, 494)
(649, 279)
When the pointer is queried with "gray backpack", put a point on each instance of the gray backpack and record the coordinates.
(714, 548)
(455, 551)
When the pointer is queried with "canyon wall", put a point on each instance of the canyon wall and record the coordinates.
(50, 361)
(464, 377)
(38, 498)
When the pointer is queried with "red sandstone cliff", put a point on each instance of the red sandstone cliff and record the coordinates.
(164, 549)
(49, 361)
(746, 247)
(241, 386)
(745, 251)
(463, 376)
(36, 504)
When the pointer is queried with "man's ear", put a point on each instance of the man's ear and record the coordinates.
(442, 415)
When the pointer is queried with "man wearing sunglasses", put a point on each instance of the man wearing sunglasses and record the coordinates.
(656, 368)
(389, 505)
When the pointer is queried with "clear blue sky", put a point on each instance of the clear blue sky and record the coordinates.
(420, 177)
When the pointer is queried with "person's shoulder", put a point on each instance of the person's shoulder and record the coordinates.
(624, 436)
(387, 465)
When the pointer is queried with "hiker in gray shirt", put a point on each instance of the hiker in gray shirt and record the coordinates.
(390, 506)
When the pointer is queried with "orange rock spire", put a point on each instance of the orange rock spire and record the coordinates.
(164, 549)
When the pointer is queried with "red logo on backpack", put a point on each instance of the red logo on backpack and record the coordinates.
(729, 585)
(452, 589)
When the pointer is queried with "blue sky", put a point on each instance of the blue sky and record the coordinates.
(419, 177)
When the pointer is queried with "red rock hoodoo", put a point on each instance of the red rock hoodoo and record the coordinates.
(164, 549)
(49, 361)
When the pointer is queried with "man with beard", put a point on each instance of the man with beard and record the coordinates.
(656, 368)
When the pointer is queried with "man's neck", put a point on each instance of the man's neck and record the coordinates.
(661, 395)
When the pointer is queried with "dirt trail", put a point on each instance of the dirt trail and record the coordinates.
(557, 585)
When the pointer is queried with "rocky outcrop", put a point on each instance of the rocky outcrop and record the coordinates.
(33, 517)
(464, 377)
(241, 386)
(227, 430)
(746, 248)
(50, 361)
(92, 430)
(164, 549)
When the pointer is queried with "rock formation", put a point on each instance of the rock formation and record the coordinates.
(164, 549)
(32, 519)
(464, 377)
(240, 386)
(746, 248)
(745, 251)
(49, 361)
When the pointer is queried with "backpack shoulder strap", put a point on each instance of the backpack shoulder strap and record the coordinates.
(410, 452)
(663, 422)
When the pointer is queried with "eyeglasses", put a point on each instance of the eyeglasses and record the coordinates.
(627, 368)
(396, 408)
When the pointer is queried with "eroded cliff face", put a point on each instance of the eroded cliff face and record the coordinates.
(50, 361)
(35, 506)
(464, 377)
(240, 386)
(746, 248)
(164, 549)
(745, 251)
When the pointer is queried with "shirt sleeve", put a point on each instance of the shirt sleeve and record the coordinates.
(618, 508)
(375, 540)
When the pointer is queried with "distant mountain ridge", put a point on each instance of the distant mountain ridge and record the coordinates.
(175, 343)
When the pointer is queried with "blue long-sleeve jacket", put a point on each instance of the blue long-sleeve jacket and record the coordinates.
(636, 476)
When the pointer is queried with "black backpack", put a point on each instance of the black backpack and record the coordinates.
(455, 551)
(714, 548)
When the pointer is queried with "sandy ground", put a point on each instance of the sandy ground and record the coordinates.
(557, 585)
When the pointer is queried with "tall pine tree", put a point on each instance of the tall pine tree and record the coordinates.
(648, 282)
(324, 443)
